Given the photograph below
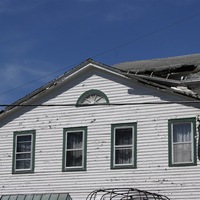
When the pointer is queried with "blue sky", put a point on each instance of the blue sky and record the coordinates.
(41, 39)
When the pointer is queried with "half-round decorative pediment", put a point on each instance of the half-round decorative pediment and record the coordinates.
(92, 97)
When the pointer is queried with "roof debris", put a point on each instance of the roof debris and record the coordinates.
(180, 74)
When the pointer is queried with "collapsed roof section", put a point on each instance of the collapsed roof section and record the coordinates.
(179, 74)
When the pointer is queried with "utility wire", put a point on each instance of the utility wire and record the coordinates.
(147, 34)
(105, 104)
(107, 51)
(36, 80)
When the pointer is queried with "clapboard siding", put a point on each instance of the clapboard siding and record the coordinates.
(152, 172)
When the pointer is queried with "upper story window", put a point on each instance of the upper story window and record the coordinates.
(74, 148)
(92, 97)
(23, 151)
(182, 143)
(123, 141)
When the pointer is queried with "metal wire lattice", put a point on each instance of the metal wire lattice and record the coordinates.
(124, 194)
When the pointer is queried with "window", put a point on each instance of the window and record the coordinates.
(123, 142)
(74, 148)
(182, 143)
(92, 97)
(23, 151)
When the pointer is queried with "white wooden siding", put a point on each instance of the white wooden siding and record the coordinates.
(152, 173)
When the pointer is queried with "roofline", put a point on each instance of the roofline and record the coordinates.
(58, 81)
(157, 82)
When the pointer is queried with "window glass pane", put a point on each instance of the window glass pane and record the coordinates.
(182, 153)
(23, 164)
(74, 140)
(123, 136)
(123, 156)
(100, 100)
(24, 147)
(74, 158)
(23, 138)
(24, 143)
(23, 156)
(181, 132)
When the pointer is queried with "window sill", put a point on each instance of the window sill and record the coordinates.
(73, 169)
(182, 164)
(23, 172)
(124, 167)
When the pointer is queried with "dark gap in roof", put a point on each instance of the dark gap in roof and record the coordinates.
(185, 68)
(175, 69)
(175, 72)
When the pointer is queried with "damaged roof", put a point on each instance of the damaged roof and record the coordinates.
(179, 74)
(160, 64)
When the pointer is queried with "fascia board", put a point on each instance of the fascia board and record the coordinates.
(103, 68)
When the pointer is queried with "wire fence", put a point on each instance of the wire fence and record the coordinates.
(124, 194)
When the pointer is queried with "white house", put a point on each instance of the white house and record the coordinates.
(132, 125)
